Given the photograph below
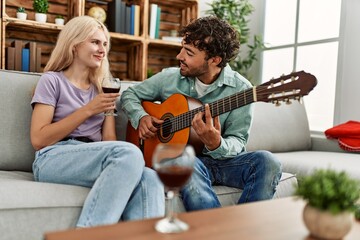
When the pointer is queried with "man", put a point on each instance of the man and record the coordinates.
(208, 45)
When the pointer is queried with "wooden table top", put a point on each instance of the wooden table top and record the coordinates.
(279, 219)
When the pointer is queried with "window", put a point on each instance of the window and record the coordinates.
(304, 35)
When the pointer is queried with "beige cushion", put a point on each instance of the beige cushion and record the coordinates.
(279, 129)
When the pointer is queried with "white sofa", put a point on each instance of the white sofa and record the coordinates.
(28, 208)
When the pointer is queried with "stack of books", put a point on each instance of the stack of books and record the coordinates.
(23, 56)
(154, 28)
(123, 18)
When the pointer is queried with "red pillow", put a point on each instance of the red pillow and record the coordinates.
(348, 135)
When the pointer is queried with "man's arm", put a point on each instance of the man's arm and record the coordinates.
(131, 98)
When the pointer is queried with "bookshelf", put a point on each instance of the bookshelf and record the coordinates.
(131, 56)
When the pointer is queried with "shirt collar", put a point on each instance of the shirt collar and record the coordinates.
(226, 77)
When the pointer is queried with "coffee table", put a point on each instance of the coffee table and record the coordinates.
(279, 219)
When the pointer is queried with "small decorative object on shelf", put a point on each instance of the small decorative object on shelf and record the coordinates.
(331, 202)
(98, 13)
(59, 20)
(40, 8)
(21, 13)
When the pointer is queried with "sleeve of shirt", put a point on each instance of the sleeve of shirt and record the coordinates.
(131, 98)
(46, 91)
(235, 135)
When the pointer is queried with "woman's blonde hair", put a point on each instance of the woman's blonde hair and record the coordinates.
(75, 32)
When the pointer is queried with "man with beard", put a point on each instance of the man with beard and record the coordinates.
(208, 45)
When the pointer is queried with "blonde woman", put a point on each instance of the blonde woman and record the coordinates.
(76, 144)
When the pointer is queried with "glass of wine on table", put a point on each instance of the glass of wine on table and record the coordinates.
(111, 85)
(174, 165)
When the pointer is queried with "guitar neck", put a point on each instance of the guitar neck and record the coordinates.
(217, 108)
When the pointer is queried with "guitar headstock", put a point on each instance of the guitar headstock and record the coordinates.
(286, 87)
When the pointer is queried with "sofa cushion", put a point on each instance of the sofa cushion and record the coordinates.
(16, 150)
(303, 163)
(28, 208)
(291, 120)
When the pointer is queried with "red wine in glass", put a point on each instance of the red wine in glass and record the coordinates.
(174, 176)
(110, 85)
(174, 165)
(110, 90)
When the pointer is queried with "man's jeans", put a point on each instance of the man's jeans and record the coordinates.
(121, 187)
(257, 173)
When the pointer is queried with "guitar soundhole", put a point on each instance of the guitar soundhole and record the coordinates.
(165, 130)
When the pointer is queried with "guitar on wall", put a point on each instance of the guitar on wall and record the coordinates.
(178, 110)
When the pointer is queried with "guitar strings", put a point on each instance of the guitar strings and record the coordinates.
(183, 120)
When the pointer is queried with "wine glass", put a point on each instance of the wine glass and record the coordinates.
(111, 85)
(174, 165)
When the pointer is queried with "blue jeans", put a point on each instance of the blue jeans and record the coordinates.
(257, 173)
(121, 187)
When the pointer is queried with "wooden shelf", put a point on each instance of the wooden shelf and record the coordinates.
(130, 56)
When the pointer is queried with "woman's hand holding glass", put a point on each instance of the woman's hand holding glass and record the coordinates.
(111, 85)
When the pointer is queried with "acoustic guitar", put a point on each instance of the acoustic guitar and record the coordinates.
(178, 110)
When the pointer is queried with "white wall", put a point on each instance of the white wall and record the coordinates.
(348, 84)
(348, 87)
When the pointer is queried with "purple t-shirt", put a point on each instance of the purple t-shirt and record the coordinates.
(56, 90)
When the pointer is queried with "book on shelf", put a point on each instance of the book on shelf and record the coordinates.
(10, 58)
(123, 18)
(38, 59)
(132, 19)
(25, 60)
(153, 14)
(157, 26)
(172, 39)
(116, 16)
(137, 20)
(17, 44)
(128, 19)
(32, 47)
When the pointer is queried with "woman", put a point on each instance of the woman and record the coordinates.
(76, 144)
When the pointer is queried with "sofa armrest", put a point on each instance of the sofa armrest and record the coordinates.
(319, 142)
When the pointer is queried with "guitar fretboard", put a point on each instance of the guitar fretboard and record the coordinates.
(217, 108)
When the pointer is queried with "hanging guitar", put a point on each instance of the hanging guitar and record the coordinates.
(178, 110)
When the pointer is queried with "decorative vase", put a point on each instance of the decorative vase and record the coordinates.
(98, 13)
(21, 15)
(325, 225)
(40, 17)
(59, 21)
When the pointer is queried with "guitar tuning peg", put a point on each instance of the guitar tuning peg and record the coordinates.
(299, 99)
(277, 103)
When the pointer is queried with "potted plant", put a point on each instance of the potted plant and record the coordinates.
(331, 202)
(40, 8)
(59, 20)
(21, 13)
(236, 13)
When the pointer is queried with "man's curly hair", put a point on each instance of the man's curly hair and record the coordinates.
(214, 36)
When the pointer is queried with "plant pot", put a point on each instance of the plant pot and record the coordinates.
(324, 225)
(21, 15)
(59, 21)
(40, 17)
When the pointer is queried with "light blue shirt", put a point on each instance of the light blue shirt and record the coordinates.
(234, 124)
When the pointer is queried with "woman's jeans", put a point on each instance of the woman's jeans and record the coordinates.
(121, 187)
(257, 173)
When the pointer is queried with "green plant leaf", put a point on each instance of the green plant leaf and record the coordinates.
(236, 13)
(330, 190)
